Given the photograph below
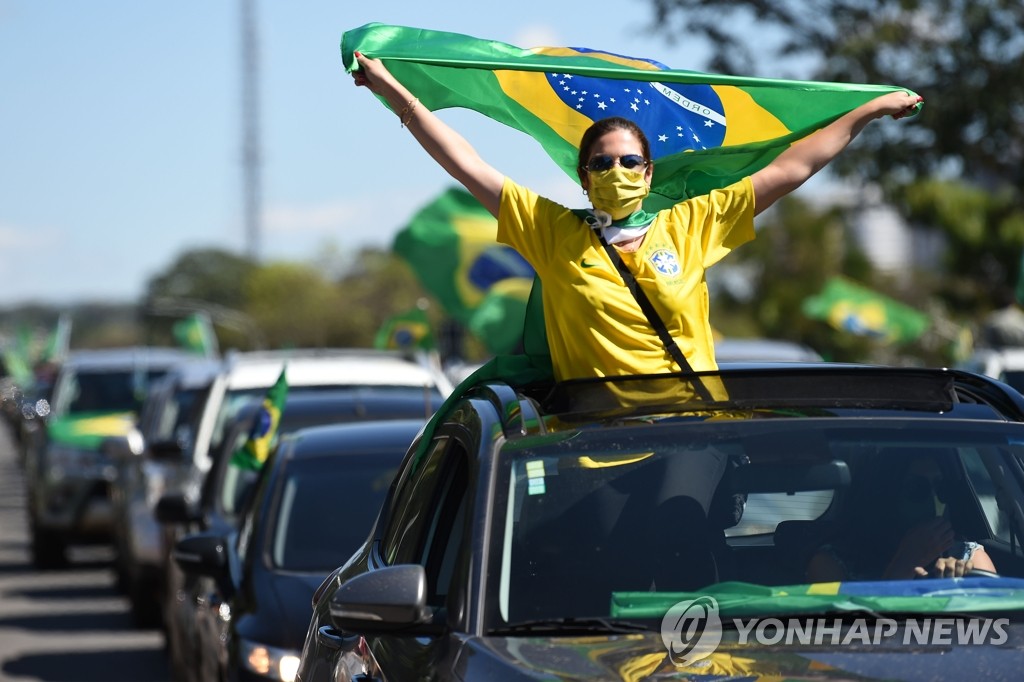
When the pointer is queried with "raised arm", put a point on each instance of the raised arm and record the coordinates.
(796, 165)
(452, 151)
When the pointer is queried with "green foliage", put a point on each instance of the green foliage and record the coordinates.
(984, 232)
(294, 305)
(212, 275)
(956, 169)
(378, 286)
(966, 57)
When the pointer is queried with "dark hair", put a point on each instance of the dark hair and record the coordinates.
(605, 125)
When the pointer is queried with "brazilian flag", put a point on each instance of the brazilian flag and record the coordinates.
(403, 331)
(256, 449)
(706, 130)
(195, 333)
(853, 308)
(451, 246)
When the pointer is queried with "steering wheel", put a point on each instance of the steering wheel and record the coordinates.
(981, 573)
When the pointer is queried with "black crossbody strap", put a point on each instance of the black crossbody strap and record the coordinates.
(652, 315)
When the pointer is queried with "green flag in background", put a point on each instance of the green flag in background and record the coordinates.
(706, 130)
(256, 449)
(404, 331)
(492, 320)
(195, 333)
(450, 245)
(853, 308)
(58, 343)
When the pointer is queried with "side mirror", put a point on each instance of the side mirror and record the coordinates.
(176, 509)
(385, 600)
(123, 447)
(166, 451)
(202, 554)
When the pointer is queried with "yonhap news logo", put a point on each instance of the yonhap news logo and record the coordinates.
(692, 630)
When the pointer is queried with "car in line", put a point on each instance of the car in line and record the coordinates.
(587, 530)
(69, 475)
(227, 492)
(239, 378)
(166, 432)
(318, 494)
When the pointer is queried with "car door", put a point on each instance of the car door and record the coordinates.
(424, 522)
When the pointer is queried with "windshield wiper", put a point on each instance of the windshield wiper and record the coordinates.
(569, 626)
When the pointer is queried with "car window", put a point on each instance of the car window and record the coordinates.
(121, 391)
(991, 481)
(326, 508)
(1013, 377)
(424, 508)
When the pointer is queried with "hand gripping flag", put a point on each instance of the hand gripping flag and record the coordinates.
(706, 130)
(256, 449)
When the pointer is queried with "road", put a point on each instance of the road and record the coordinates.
(69, 625)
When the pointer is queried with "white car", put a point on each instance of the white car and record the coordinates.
(248, 375)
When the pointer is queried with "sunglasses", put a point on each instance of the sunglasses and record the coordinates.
(603, 162)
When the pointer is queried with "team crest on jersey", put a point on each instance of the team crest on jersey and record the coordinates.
(665, 262)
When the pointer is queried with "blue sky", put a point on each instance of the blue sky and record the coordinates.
(120, 125)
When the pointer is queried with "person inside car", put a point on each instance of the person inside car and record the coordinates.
(921, 541)
(595, 327)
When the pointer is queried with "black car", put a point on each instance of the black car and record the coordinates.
(227, 489)
(320, 492)
(626, 529)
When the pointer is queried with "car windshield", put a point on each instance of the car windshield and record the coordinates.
(326, 506)
(121, 391)
(627, 521)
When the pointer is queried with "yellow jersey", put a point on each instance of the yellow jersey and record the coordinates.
(594, 325)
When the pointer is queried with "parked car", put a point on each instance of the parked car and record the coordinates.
(97, 394)
(314, 503)
(590, 530)
(227, 489)
(166, 430)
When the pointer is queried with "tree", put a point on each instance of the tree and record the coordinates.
(798, 248)
(294, 306)
(213, 275)
(963, 56)
(959, 167)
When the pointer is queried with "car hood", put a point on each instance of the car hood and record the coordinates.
(644, 657)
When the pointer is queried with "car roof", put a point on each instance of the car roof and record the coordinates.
(324, 367)
(113, 359)
(758, 390)
(354, 438)
(347, 405)
(195, 372)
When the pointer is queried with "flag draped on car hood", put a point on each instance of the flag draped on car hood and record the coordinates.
(706, 130)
